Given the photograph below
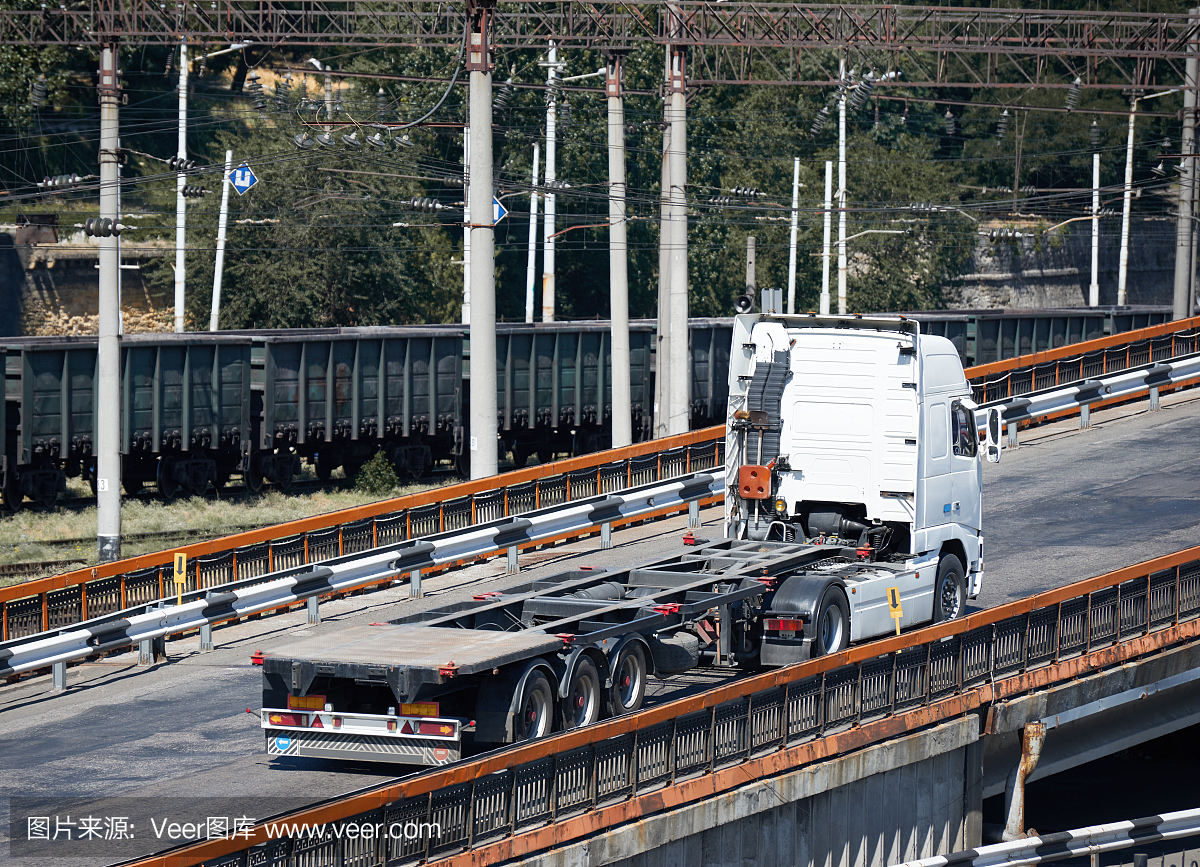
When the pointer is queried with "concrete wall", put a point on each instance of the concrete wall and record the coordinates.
(1027, 272)
(909, 798)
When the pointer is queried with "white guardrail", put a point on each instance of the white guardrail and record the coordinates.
(1084, 393)
(239, 599)
(1070, 844)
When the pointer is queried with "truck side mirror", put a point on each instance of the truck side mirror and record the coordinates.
(992, 436)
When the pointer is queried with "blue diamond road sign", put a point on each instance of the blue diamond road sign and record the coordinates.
(242, 178)
(499, 212)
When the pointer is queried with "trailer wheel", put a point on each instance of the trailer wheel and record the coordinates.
(950, 600)
(535, 716)
(832, 624)
(629, 680)
(581, 707)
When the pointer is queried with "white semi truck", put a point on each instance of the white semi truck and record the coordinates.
(853, 469)
(859, 430)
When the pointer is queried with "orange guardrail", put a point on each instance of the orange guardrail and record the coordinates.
(863, 695)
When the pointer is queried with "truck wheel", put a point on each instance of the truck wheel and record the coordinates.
(629, 680)
(833, 624)
(581, 707)
(950, 590)
(535, 713)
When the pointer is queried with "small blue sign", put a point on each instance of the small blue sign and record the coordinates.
(282, 744)
(499, 212)
(242, 178)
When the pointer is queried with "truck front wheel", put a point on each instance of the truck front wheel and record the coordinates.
(629, 680)
(581, 707)
(535, 714)
(951, 589)
(832, 624)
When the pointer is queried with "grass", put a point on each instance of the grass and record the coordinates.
(30, 536)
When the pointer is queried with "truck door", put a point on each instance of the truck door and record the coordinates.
(966, 470)
(937, 481)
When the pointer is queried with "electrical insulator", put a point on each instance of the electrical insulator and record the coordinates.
(721, 201)
(37, 94)
(1094, 136)
(101, 227)
(350, 140)
(426, 206)
(503, 95)
(176, 164)
(453, 181)
(257, 96)
(1073, 95)
(858, 96)
(1002, 125)
(60, 181)
(564, 114)
(203, 66)
(190, 192)
(819, 121)
(283, 90)
(746, 192)
(381, 103)
(170, 63)
(950, 125)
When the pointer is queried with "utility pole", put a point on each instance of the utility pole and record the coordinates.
(842, 188)
(1094, 288)
(483, 450)
(466, 305)
(533, 209)
(618, 253)
(108, 355)
(678, 419)
(825, 252)
(791, 308)
(219, 267)
(551, 177)
(662, 353)
(1181, 307)
(751, 276)
(180, 201)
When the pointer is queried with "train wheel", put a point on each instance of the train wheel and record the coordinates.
(324, 465)
(167, 486)
(132, 487)
(545, 455)
(462, 463)
(581, 707)
(253, 477)
(520, 456)
(14, 500)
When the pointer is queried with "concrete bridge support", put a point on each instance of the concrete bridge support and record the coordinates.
(913, 797)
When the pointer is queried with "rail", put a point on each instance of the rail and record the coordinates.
(84, 594)
(87, 594)
(539, 795)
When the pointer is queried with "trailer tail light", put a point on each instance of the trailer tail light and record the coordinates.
(337, 722)
(432, 728)
(392, 725)
(286, 719)
(783, 624)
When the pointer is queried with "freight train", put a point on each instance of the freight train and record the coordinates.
(199, 409)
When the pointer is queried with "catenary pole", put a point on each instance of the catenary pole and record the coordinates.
(180, 201)
(482, 443)
(841, 192)
(791, 302)
(551, 177)
(222, 222)
(662, 366)
(533, 209)
(108, 355)
(1181, 299)
(618, 252)
(678, 420)
(825, 251)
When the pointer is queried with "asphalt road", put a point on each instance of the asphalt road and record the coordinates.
(176, 741)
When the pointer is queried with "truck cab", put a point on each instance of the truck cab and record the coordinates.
(859, 431)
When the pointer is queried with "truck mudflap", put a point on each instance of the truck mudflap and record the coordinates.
(429, 741)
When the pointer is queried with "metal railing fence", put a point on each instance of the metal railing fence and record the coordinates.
(1140, 609)
(37, 608)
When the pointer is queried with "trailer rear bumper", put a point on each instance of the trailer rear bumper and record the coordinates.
(371, 748)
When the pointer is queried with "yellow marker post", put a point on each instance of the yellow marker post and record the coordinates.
(180, 577)
(894, 604)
